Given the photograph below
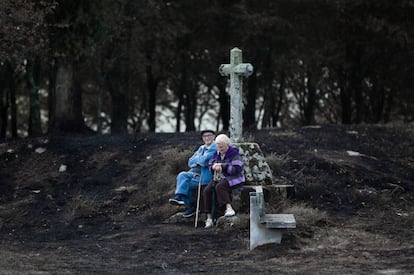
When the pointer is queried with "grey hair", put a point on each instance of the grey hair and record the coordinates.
(222, 138)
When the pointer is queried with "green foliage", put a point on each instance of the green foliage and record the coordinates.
(315, 61)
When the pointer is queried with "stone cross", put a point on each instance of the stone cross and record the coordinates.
(236, 69)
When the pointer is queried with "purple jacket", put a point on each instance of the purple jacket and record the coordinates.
(232, 164)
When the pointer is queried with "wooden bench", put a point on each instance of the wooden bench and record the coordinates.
(266, 228)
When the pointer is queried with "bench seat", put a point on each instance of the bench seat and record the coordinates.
(266, 228)
(279, 221)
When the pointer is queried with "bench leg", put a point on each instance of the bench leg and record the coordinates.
(259, 234)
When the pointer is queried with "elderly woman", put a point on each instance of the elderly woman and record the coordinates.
(227, 168)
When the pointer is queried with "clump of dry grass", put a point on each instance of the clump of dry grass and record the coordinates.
(307, 216)
(309, 222)
(275, 160)
(81, 206)
(249, 137)
(161, 179)
(278, 164)
(176, 159)
(170, 163)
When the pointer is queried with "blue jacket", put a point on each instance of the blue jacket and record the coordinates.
(200, 159)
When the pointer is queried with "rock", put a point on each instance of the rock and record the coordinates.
(236, 222)
(256, 169)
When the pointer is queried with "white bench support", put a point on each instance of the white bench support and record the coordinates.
(266, 228)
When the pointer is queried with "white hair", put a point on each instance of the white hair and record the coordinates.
(222, 138)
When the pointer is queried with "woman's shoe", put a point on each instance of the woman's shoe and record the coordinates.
(229, 212)
(209, 223)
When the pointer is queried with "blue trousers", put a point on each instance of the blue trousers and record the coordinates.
(187, 182)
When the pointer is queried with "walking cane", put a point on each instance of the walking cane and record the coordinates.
(213, 197)
(198, 202)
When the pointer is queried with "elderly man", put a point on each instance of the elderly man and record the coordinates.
(187, 181)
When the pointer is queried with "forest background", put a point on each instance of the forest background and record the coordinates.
(123, 66)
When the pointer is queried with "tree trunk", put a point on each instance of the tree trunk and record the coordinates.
(269, 93)
(224, 113)
(249, 121)
(346, 105)
(281, 95)
(152, 98)
(181, 93)
(179, 110)
(377, 100)
(273, 99)
(67, 116)
(359, 99)
(3, 102)
(345, 97)
(356, 82)
(33, 77)
(3, 117)
(13, 104)
(52, 92)
(119, 123)
(309, 107)
(118, 88)
(101, 83)
(7, 100)
(190, 109)
(268, 99)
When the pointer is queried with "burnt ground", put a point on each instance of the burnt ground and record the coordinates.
(107, 212)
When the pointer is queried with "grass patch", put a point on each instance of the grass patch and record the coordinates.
(81, 206)
(307, 216)
(160, 180)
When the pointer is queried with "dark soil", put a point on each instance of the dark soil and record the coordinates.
(107, 213)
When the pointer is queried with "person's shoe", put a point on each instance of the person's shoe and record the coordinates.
(229, 212)
(209, 223)
(189, 212)
(177, 200)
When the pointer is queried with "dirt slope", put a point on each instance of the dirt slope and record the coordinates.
(98, 204)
